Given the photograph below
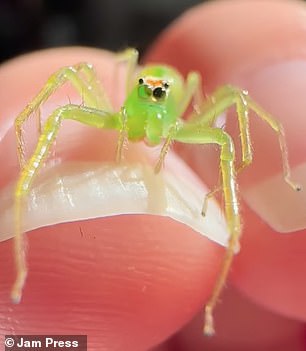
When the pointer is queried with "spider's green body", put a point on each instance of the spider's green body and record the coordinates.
(152, 106)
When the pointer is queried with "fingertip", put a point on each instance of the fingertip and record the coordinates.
(130, 275)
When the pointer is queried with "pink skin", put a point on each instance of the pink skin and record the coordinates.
(82, 284)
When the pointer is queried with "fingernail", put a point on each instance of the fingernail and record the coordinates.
(280, 90)
(278, 204)
(78, 191)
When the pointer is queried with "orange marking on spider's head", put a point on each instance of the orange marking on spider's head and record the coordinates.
(154, 82)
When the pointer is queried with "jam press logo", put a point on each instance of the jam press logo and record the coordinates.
(45, 342)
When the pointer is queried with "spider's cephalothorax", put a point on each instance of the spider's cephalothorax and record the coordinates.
(151, 109)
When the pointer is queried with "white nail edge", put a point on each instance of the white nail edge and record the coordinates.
(75, 191)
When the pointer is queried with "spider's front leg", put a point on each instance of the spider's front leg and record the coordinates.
(83, 79)
(192, 94)
(194, 134)
(86, 115)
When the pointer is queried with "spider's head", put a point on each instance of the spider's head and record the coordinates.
(154, 89)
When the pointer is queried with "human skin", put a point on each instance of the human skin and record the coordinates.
(57, 254)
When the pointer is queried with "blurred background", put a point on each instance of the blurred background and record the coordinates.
(27, 25)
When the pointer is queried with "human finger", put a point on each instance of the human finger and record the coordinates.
(258, 46)
(137, 276)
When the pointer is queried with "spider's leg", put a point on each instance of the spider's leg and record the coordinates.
(216, 104)
(212, 107)
(207, 197)
(163, 152)
(82, 77)
(192, 93)
(94, 94)
(122, 135)
(86, 115)
(226, 96)
(193, 134)
(130, 56)
(278, 128)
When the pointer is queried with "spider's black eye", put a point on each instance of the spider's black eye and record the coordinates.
(140, 81)
(166, 85)
(158, 93)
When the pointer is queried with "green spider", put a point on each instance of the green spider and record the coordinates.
(156, 99)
